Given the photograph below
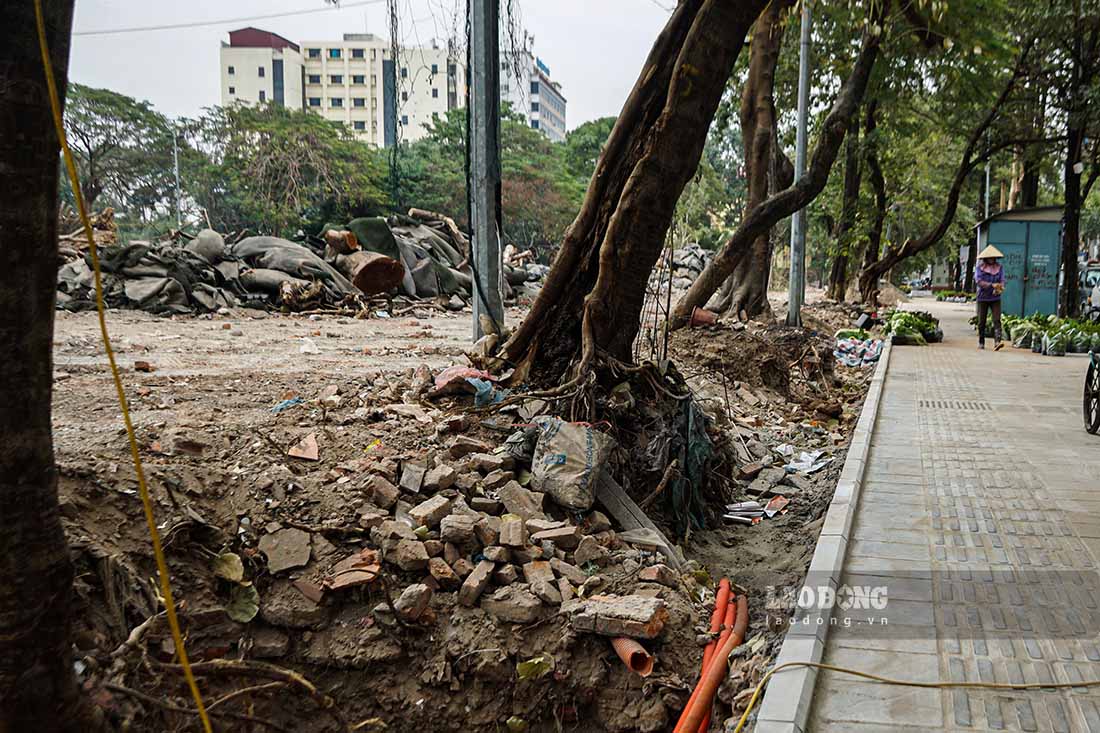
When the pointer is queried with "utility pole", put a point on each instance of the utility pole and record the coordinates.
(986, 189)
(797, 287)
(176, 166)
(483, 148)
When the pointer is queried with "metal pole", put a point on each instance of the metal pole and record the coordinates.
(797, 285)
(484, 150)
(987, 189)
(176, 166)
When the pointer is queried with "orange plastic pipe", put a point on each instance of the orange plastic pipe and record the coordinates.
(727, 629)
(721, 606)
(634, 655)
(698, 707)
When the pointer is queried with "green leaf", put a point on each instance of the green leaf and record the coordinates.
(535, 667)
(244, 603)
(228, 565)
(516, 724)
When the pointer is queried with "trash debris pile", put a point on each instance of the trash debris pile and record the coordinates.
(420, 256)
(688, 262)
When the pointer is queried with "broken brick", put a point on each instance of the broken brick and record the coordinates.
(659, 574)
(439, 478)
(431, 512)
(489, 462)
(513, 604)
(512, 532)
(413, 602)
(412, 477)
(475, 583)
(463, 445)
(566, 538)
(488, 530)
(409, 555)
(635, 616)
(443, 574)
(521, 502)
(497, 554)
(496, 479)
(575, 575)
(589, 550)
(383, 493)
(459, 529)
(506, 575)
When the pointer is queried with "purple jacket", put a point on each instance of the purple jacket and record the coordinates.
(985, 281)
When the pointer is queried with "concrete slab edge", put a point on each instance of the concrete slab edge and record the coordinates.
(786, 704)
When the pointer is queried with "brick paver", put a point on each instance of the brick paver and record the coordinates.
(979, 513)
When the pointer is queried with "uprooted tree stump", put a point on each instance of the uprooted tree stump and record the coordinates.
(371, 272)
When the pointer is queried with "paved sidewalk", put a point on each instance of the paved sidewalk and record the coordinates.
(979, 512)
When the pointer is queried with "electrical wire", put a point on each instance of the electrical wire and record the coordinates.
(93, 251)
(226, 21)
(908, 683)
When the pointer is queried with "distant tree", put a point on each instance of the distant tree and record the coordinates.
(123, 149)
(274, 170)
(582, 146)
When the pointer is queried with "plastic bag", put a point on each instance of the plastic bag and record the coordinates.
(567, 461)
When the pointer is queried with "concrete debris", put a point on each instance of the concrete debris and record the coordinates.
(513, 604)
(519, 501)
(285, 549)
(409, 555)
(590, 551)
(439, 478)
(635, 616)
(459, 529)
(412, 477)
(413, 602)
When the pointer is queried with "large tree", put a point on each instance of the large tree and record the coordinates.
(38, 689)
(591, 301)
(782, 204)
(767, 169)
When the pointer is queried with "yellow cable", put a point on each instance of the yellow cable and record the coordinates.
(147, 504)
(908, 683)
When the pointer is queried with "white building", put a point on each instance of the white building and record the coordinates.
(355, 82)
(258, 66)
(345, 82)
(534, 94)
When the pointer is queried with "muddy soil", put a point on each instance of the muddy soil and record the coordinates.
(216, 455)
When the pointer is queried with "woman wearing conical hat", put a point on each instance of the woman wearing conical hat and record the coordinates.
(989, 278)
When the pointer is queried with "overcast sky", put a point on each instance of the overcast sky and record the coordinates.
(594, 48)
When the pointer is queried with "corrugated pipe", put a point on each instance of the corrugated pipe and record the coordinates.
(721, 604)
(699, 705)
(727, 629)
(634, 655)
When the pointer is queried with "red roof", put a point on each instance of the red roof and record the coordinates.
(256, 38)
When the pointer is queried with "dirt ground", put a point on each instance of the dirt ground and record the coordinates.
(216, 456)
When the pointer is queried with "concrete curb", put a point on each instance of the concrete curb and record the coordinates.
(786, 704)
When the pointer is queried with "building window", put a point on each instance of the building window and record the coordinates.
(435, 115)
(232, 90)
(404, 72)
(232, 70)
(534, 106)
(263, 96)
(534, 87)
(535, 124)
(313, 53)
(334, 53)
(357, 53)
(435, 94)
(335, 102)
(435, 68)
(358, 79)
(359, 124)
(314, 78)
(404, 119)
(359, 102)
(335, 78)
(314, 101)
(261, 71)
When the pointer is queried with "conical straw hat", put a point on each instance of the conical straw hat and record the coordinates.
(989, 253)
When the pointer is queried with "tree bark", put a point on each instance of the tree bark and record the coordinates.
(869, 277)
(594, 293)
(38, 691)
(781, 205)
(878, 185)
(838, 275)
(745, 292)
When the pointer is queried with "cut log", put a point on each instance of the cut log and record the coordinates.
(341, 241)
(371, 272)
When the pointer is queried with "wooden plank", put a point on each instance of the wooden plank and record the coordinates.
(630, 516)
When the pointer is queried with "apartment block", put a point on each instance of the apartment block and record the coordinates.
(534, 94)
(258, 66)
(356, 82)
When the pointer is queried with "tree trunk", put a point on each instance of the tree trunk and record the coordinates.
(745, 292)
(594, 293)
(781, 205)
(869, 277)
(878, 184)
(38, 691)
(845, 228)
(1071, 221)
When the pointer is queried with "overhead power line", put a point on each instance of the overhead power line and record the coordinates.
(227, 21)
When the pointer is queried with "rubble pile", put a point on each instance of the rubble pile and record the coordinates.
(428, 546)
(688, 262)
(421, 256)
